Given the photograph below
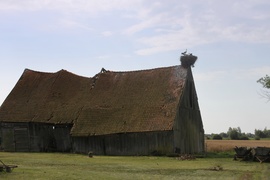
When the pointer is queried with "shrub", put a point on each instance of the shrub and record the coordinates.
(244, 138)
(257, 138)
(217, 137)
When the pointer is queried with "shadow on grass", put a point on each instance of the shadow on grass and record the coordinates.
(229, 154)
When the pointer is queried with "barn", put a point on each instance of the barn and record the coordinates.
(143, 112)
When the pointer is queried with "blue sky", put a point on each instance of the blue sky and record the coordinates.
(231, 39)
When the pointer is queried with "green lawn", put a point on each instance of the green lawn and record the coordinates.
(74, 166)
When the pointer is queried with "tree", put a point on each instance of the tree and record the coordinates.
(243, 136)
(265, 82)
(266, 132)
(234, 133)
(224, 135)
(259, 133)
(262, 133)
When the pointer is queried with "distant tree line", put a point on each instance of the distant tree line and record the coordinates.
(237, 134)
(262, 133)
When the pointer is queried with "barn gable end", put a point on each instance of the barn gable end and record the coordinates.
(188, 127)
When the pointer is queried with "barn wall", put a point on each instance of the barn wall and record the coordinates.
(126, 144)
(48, 137)
(188, 127)
(35, 137)
(14, 137)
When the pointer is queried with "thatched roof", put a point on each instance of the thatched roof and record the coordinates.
(110, 102)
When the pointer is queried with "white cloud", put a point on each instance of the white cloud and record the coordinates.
(180, 39)
(107, 33)
(69, 14)
(74, 24)
(92, 6)
(187, 26)
(59, 24)
(26, 5)
(160, 26)
(149, 22)
(103, 57)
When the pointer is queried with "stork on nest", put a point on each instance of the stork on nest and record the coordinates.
(187, 60)
(184, 53)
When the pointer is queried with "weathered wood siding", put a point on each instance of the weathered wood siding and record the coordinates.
(188, 127)
(46, 137)
(35, 137)
(14, 137)
(7, 137)
(144, 143)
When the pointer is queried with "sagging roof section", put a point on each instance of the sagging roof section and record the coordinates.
(110, 102)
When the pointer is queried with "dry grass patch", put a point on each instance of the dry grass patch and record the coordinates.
(228, 145)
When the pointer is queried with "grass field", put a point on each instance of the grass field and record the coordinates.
(76, 166)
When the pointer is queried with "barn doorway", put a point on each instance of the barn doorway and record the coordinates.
(21, 139)
(14, 137)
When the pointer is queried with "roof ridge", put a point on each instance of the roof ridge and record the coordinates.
(143, 70)
(57, 72)
(102, 71)
(35, 71)
(66, 71)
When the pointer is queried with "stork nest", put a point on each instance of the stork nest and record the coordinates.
(188, 60)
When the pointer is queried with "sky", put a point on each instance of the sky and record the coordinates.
(231, 39)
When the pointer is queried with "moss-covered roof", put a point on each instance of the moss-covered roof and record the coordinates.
(110, 102)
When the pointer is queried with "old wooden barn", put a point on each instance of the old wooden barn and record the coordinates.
(143, 112)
